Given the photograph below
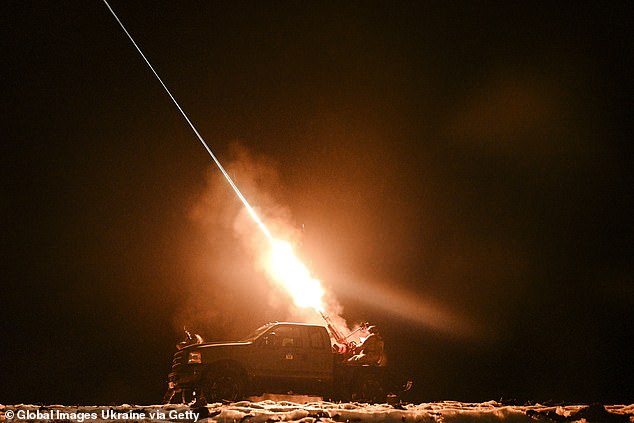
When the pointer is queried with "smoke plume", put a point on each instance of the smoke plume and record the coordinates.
(230, 293)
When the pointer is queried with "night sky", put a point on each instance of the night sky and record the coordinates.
(460, 174)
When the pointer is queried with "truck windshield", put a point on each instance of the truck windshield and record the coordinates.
(257, 332)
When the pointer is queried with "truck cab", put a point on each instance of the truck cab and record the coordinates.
(279, 357)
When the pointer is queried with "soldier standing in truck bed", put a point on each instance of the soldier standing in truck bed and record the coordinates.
(370, 351)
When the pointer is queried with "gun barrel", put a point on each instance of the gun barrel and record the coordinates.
(353, 332)
(335, 333)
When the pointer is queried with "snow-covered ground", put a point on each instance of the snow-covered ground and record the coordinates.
(320, 411)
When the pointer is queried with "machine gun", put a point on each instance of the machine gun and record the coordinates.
(346, 347)
(332, 329)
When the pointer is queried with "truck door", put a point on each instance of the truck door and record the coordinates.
(319, 359)
(280, 353)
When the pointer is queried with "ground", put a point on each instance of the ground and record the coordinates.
(305, 409)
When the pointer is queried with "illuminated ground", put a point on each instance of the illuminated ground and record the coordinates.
(321, 411)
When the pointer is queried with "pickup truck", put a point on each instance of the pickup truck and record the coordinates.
(279, 357)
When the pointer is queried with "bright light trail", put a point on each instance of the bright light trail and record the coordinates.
(284, 267)
(255, 217)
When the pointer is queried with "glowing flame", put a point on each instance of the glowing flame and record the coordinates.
(287, 270)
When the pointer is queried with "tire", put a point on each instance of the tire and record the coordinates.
(222, 386)
(368, 388)
(169, 395)
(186, 396)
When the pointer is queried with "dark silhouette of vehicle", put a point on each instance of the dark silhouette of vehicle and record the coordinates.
(279, 357)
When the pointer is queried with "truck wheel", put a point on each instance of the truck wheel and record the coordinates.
(187, 396)
(368, 388)
(167, 398)
(225, 385)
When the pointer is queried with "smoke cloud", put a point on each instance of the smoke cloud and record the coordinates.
(229, 292)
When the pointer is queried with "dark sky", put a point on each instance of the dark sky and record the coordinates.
(463, 172)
